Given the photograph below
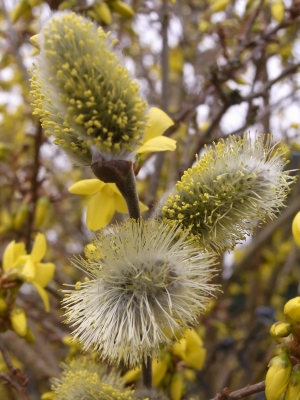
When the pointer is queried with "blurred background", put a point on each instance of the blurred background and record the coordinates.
(217, 68)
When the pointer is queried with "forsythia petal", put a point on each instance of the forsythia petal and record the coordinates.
(177, 386)
(43, 294)
(18, 321)
(296, 228)
(179, 348)
(157, 124)
(44, 273)
(278, 376)
(160, 143)
(160, 368)
(120, 204)
(195, 353)
(132, 375)
(87, 187)
(39, 248)
(19, 250)
(293, 389)
(143, 207)
(28, 271)
(8, 256)
(292, 309)
(99, 211)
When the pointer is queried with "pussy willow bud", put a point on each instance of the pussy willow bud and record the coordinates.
(292, 309)
(280, 329)
(84, 95)
(236, 184)
(278, 376)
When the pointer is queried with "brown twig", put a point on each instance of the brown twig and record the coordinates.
(270, 83)
(155, 178)
(15, 378)
(128, 190)
(226, 394)
(38, 138)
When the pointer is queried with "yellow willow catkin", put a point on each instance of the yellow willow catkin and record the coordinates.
(83, 94)
(84, 377)
(236, 184)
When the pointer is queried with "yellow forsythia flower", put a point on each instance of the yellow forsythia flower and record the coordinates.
(190, 349)
(296, 228)
(28, 267)
(292, 309)
(293, 389)
(278, 376)
(105, 200)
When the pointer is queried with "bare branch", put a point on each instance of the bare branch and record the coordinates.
(226, 394)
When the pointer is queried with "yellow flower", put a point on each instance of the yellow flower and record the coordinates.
(280, 329)
(278, 375)
(293, 389)
(190, 349)
(105, 200)
(28, 267)
(296, 228)
(158, 123)
(292, 309)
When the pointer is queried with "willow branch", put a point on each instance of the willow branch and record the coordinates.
(128, 190)
(226, 394)
(38, 139)
(155, 178)
(15, 378)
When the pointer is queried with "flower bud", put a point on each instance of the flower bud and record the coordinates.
(122, 8)
(18, 321)
(293, 389)
(292, 309)
(278, 376)
(103, 12)
(280, 329)
(41, 211)
(21, 216)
